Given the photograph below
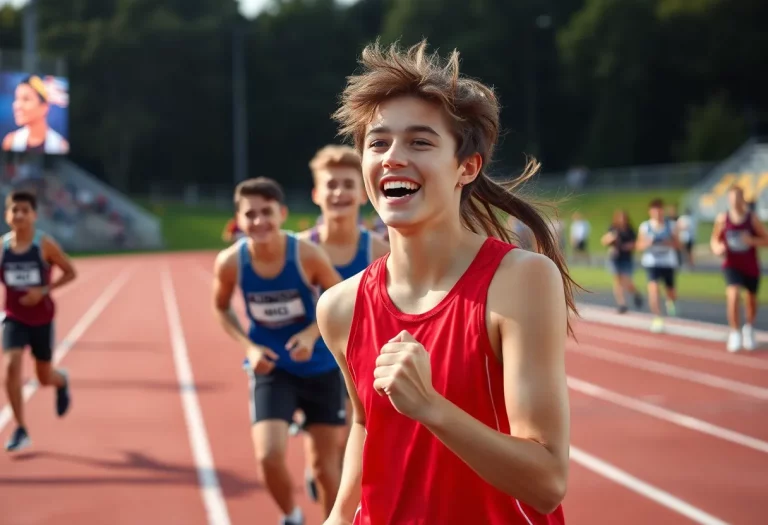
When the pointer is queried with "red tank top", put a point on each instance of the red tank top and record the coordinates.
(408, 475)
(738, 255)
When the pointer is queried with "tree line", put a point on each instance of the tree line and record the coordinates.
(582, 82)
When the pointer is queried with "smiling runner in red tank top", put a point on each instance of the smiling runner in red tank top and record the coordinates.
(452, 346)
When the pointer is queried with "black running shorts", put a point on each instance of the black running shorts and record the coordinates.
(665, 275)
(18, 335)
(278, 394)
(734, 277)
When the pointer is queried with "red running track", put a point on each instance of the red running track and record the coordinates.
(664, 429)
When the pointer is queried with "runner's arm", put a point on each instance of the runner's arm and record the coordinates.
(716, 244)
(531, 464)
(224, 284)
(55, 255)
(760, 238)
(334, 317)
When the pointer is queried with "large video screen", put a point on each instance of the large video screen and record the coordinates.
(34, 114)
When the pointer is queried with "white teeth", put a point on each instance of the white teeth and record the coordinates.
(391, 185)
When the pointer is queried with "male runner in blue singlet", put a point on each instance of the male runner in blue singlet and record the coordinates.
(279, 276)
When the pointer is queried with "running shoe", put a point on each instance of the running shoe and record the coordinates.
(748, 336)
(62, 396)
(734, 341)
(671, 308)
(19, 440)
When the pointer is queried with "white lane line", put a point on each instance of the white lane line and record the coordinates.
(213, 499)
(63, 348)
(658, 344)
(671, 371)
(670, 416)
(675, 326)
(642, 488)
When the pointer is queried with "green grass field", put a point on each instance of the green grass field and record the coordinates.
(197, 228)
(200, 228)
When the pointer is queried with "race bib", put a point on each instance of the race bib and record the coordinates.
(659, 257)
(734, 240)
(22, 277)
(277, 309)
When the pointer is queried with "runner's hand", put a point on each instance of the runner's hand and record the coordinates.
(262, 359)
(336, 521)
(404, 373)
(33, 296)
(302, 344)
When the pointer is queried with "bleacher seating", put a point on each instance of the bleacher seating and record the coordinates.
(747, 167)
(82, 213)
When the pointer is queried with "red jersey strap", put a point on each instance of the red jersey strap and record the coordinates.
(485, 264)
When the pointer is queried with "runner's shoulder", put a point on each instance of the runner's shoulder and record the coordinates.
(227, 259)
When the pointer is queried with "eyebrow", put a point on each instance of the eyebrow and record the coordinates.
(410, 129)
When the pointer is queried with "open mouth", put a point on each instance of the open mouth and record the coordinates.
(399, 189)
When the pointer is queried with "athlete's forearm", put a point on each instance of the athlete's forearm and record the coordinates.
(348, 497)
(231, 324)
(521, 468)
(64, 278)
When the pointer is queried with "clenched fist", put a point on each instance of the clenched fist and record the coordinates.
(404, 374)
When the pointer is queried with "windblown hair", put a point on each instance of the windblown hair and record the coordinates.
(335, 156)
(473, 112)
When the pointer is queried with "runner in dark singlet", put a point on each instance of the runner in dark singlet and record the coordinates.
(339, 192)
(620, 240)
(736, 236)
(25, 270)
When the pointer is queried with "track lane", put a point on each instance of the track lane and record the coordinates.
(680, 354)
(72, 302)
(217, 361)
(721, 478)
(122, 456)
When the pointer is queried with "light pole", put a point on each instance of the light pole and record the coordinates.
(239, 105)
(29, 22)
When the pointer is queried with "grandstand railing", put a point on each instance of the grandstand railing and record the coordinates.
(658, 176)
